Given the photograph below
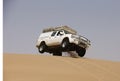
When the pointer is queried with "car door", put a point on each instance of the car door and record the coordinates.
(52, 39)
(56, 38)
(59, 37)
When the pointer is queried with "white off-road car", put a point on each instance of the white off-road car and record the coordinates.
(62, 39)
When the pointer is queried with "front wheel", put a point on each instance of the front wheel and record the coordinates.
(65, 44)
(81, 51)
(42, 48)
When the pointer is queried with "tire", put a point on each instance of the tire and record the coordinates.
(81, 51)
(57, 54)
(65, 44)
(42, 47)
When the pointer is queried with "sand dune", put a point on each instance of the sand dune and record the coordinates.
(21, 67)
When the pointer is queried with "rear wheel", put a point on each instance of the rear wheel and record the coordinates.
(42, 47)
(81, 51)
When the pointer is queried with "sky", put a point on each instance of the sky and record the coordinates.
(98, 20)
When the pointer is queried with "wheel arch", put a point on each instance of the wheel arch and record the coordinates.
(42, 42)
(65, 38)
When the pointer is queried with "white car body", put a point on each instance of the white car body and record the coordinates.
(56, 40)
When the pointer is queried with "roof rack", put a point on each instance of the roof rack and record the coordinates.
(66, 28)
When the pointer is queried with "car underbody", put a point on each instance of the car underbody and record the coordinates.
(57, 50)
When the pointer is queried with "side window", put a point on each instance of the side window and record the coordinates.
(53, 34)
(58, 33)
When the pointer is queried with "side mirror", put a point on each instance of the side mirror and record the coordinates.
(61, 33)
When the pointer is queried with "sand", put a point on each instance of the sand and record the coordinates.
(29, 67)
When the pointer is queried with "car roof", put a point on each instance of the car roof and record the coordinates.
(66, 28)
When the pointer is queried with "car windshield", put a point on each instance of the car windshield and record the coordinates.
(66, 32)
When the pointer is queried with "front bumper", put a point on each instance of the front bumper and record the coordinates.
(82, 43)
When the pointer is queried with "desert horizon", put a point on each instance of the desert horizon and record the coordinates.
(30, 67)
